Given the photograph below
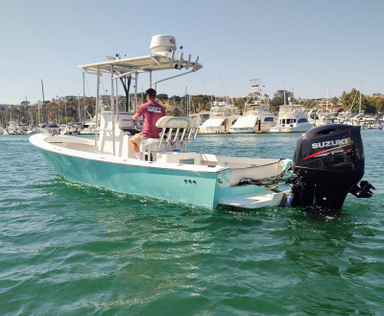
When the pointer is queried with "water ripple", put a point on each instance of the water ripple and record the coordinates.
(77, 250)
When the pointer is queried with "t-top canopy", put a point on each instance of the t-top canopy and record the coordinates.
(142, 64)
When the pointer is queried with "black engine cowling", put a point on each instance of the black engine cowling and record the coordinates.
(328, 163)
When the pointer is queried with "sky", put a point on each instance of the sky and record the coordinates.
(312, 48)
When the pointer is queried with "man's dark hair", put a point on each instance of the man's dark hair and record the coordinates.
(151, 92)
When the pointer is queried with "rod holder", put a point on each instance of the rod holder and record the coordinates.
(188, 61)
(172, 58)
(196, 63)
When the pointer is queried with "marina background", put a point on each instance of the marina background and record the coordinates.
(69, 249)
(311, 46)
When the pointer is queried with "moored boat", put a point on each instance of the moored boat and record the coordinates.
(87, 128)
(291, 119)
(256, 116)
(222, 116)
(16, 128)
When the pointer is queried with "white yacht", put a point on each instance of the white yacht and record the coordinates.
(256, 117)
(222, 116)
(291, 119)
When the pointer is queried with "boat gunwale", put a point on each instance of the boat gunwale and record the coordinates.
(40, 142)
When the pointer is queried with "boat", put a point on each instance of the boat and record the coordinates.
(318, 117)
(256, 116)
(366, 121)
(71, 128)
(87, 128)
(16, 128)
(49, 129)
(33, 130)
(291, 119)
(169, 171)
(322, 116)
(222, 116)
(200, 117)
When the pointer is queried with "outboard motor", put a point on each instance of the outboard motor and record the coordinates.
(328, 163)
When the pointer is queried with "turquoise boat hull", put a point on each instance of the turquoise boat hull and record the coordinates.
(203, 189)
(205, 185)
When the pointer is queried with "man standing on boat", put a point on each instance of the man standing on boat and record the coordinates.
(151, 112)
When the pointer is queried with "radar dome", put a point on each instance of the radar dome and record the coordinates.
(163, 44)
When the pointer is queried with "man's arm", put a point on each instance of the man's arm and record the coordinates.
(138, 113)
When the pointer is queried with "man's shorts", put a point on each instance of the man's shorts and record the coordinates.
(138, 138)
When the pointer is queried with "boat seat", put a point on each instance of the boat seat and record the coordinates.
(176, 133)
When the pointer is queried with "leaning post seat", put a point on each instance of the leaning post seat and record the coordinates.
(176, 133)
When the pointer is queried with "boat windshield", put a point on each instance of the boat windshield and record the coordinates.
(292, 108)
(255, 108)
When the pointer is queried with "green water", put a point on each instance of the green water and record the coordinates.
(76, 250)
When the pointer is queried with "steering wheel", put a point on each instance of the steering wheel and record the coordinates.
(137, 127)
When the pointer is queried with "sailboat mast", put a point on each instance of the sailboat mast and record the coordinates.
(84, 106)
(65, 107)
(42, 91)
(79, 107)
(361, 87)
(38, 112)
(26, 104)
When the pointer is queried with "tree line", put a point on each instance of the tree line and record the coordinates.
(58, 111)
(349, 101)
(79, 110)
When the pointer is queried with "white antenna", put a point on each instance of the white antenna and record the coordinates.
(222, 84)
